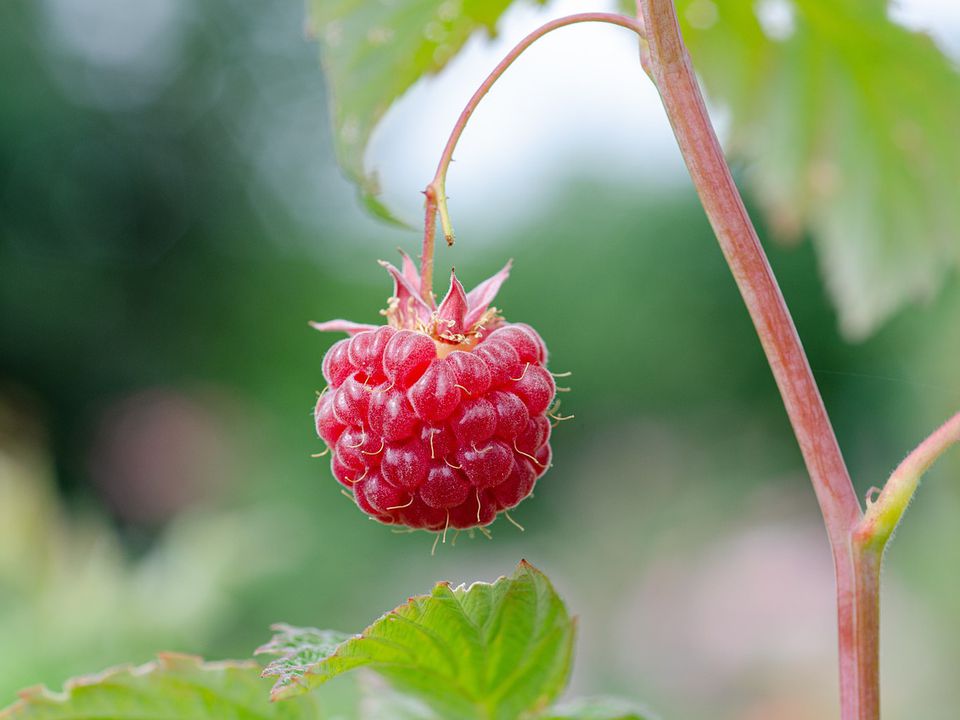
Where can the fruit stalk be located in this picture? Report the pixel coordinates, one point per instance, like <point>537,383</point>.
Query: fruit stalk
<point>429,236</point>
<point>667,62</point>
<point>436,192</point>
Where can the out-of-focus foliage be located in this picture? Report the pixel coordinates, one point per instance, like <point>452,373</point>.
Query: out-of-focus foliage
<point>597,709</point>
<point>175,686</point>
<point>849,122</point>
<point>374,51</point>
<point>71,600</point>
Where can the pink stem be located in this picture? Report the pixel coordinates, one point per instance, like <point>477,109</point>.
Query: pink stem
<point>862,698</point>
<point>426,255</point>
<point>667,62</point>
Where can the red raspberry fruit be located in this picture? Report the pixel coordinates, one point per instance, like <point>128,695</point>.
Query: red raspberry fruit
<point>439,418</point>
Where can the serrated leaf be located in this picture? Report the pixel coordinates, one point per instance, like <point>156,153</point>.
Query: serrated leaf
<point>500,650</point>
<point>299,650</point>
<point>850,123</point>
<point>374,50</point>
<point>602,708</point>
<point>180,687</point>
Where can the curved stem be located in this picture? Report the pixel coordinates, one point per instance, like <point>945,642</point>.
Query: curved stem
<point>436,196</point>
<point>883,515</point>
<point>667,62</point>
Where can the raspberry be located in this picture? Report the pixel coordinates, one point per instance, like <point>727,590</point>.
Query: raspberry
<point>439,418</point>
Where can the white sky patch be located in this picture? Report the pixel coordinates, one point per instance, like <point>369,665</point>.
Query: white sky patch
<point>776,17</point>
<point>939,18</point>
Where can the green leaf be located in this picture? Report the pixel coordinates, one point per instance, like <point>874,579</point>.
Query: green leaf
<point>602,708</point>
<point>850,123</point>
<point>373,51</point>
<point>498,650</point>
<point>177,687</point>
<point>299,650</point>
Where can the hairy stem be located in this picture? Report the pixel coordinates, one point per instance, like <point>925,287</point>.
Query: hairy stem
<point>668,64</point>
<point>436,193</point>
<point>883,515</point>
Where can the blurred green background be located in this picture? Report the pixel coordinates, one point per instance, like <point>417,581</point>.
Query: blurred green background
<point>168,227</point>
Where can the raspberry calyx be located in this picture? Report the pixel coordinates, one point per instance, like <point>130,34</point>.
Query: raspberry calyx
<point>438,419</point>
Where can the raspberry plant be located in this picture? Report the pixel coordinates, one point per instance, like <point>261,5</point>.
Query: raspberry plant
<point>439,419</point>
